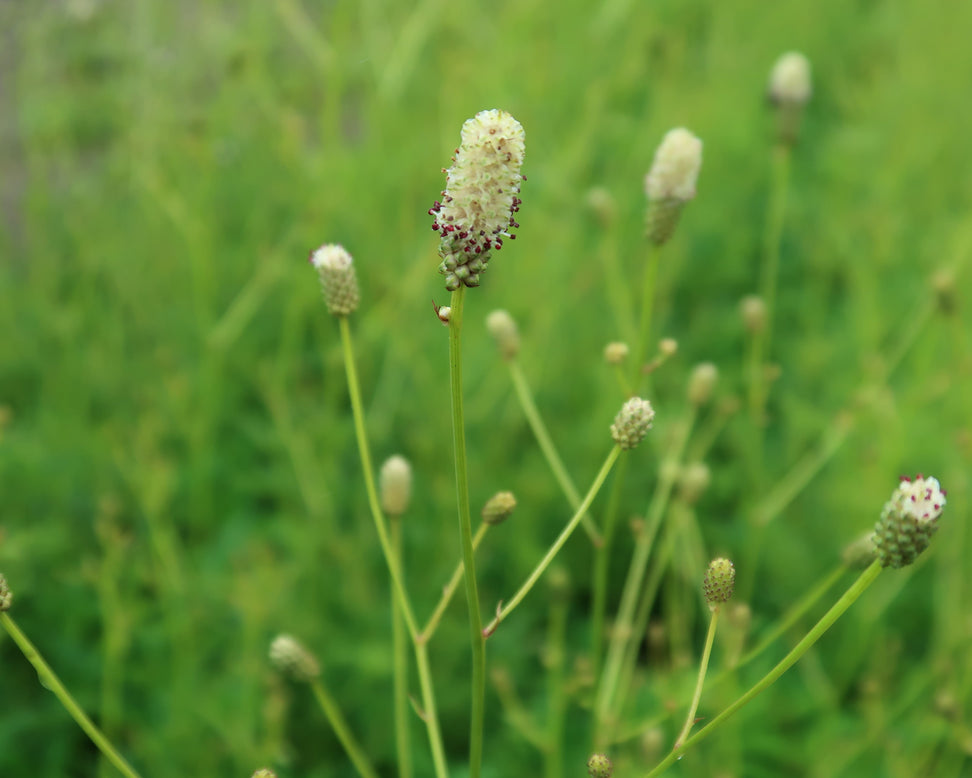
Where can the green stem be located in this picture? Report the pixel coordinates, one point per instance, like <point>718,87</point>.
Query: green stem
<point>357,410</point>
<point>465,532</point>
<point>548,448</point>
<point>342,731</point>
<point>622,632</point>
<point>51,682</point>
<point>425,677</point>
<point>558,543</point>
<point>400,662</point>
<point>647,306</point>
<point>556,688</point>
<point>602,566</point>
<point>849,597</point>
<point>433,623</point>
<point>429,714</point>
<point>703,666</point>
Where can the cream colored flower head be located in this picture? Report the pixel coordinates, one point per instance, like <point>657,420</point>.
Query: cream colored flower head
<point>480,202</point>
<point>790,79</point>
<point>921,498</point>
<point>675,168</point>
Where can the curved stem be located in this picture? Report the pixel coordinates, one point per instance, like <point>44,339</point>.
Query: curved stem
<point>341,730</point>
<point>357,410</point>
<point>394,568</point>
<point>450,589</point>
<point>51,682</point>
<point>548,448</point>
<point>703,666</point>
<point>849,597</point>
<point>400,664</point>
<point>465,532</point>
<point>544,563</point>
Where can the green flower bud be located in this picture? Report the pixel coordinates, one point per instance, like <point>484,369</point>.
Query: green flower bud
<point>6,596</point>
<point>480,201</point>
<point>632,423</point>
<point>503,329</point>
<point>499,508</point>
<point>339,283</point>
<point>719,582</point>
<point>860,553</point>
<point>908,521</point>
<point>395,485</point>
<point>291,658</point>
<point>702,383</point>
<point>615,353</point>
<point>599,766</point>
<point>789,90</point>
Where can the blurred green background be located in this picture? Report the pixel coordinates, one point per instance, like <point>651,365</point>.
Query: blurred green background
<point>178,473</point>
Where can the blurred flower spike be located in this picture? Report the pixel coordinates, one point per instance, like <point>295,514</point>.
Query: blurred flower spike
<point>480,202</point>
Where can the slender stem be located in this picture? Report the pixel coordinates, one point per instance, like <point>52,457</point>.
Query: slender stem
<point>357,410</point>
<point>429,714</point>
<point>400,663</point>
<point>465,532</point>
<point>769,273</point>
<point>636,573</point>
<point>703,666</point>
<point>548,448</point>
<point>425,676</point>
<point>556,688</point>
<point>557,544</point>
<point>51,682</point>
<point>647,306</point>
<point>450,589</point>
<point>342,731</point>
<point>602,566</point>
<point>849,597</point>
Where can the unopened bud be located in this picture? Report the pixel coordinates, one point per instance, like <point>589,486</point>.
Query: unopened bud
<point>499,508</point>
<point>789,90</point>
<point>719,582</point>
<point>339,283</point>
<point>615,353</point>
<point>693,481</point>
<point>601,202</point>
<point>702,383</point>
<point>291,658</point>
<point>671,182</point>
<point>6,596</point>
<point>265,772</point>
<point>395,485</point>
<point>502,327</point>
<point>632,423</point>
<point>860,553</point>
<point>753,311</point>
<point>667,347</point>
<point>599,766</point>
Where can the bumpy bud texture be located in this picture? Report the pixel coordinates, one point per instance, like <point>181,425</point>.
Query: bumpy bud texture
<point>499,508</point>
<point>339,283</point>
<point>908,521</point>
<point>291,658</point>
<point>6,596</point>
<point>480,201</point>
<point>599,766</point>
<point>395,485</point>
<point>632,423</point>
<point>503,329</point>
<point>719,582</point>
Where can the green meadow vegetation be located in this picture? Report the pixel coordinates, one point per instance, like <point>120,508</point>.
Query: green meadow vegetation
<point>181,479</point>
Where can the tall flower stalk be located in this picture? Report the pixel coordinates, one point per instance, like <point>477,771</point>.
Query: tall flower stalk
<point>476,214</point>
